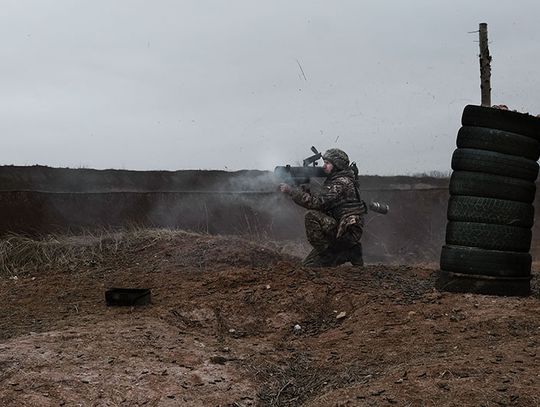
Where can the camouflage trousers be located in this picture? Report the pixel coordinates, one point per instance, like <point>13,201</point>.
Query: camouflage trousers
<point>329,249</point>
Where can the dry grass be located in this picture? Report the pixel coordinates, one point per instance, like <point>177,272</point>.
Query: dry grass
<point>21,254</point>
<point>299,378</point>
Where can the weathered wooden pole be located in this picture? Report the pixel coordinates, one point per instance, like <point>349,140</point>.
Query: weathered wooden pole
<point>485,66</point>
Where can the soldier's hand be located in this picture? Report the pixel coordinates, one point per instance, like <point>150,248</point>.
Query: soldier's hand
<point>285,188</point>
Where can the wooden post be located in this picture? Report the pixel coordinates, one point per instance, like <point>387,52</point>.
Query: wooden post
<point>485,66</point>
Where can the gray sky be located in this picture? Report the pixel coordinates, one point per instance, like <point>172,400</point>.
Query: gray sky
<point>219,85</point>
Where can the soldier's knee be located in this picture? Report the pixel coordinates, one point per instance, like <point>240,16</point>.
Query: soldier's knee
<point>319,218</point>
<point>312,216</point>
<point>313,222</point>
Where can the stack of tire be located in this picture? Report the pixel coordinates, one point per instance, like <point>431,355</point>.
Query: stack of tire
<point>490,211</point>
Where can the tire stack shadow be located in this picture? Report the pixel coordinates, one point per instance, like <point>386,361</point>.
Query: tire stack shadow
<point>490,211</point>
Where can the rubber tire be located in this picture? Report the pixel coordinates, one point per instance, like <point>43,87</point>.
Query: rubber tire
<point>498,141</point>
<point>486,285</point>
<point>491,186</point>
<point>470,260</point>
<point>489,210</point>
<point>469,159</point>
<point>488,236</point>
<point>506,120</point>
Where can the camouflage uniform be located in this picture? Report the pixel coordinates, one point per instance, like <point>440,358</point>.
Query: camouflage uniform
<point>335,220</point>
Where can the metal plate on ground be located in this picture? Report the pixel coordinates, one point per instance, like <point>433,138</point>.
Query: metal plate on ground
<point>127,296</point>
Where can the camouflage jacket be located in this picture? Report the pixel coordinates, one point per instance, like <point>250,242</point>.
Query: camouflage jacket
<point>338,198</point>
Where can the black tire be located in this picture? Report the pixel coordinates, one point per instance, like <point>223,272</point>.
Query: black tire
<point>489,210</point>
<point>470,260</point>
<point>498,141</point>
<point>486,285</point>
<point>491,186</point>
<point>469,159</point>
<point>488,236</point>
<point>506,120</point>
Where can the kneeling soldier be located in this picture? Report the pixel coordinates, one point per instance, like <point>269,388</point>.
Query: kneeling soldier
<point>335,220</point>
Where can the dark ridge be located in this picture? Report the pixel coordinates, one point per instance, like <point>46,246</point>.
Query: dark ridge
<point>47,179</point>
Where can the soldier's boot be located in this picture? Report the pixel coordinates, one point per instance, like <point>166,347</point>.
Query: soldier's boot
<point>319,258</point>
<point>355,256</point>
<point>340,257</point>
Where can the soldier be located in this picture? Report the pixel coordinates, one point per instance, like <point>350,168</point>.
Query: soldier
<point>335,220</point>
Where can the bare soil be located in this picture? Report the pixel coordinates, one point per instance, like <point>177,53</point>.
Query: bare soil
<point>221,332</point>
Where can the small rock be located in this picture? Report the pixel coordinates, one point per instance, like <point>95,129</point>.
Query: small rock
<point>443,385</point>
<point>267,286</point>
<point>218,360</point>
<point>232,330</point>
<point>341,315</point>
<point>297,328</point>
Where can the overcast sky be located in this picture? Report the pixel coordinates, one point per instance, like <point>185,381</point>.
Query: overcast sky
<point>253,84</point>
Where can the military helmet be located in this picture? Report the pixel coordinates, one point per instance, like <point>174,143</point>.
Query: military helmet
<point>338,158</point>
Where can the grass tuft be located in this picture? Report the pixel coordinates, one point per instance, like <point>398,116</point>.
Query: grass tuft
<point>21,254</point>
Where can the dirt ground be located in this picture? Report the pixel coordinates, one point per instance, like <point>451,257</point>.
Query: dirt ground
<point>221,330</point>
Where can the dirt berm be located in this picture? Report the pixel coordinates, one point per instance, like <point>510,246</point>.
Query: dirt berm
<point>237,323</point>
<point>39,200</point>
